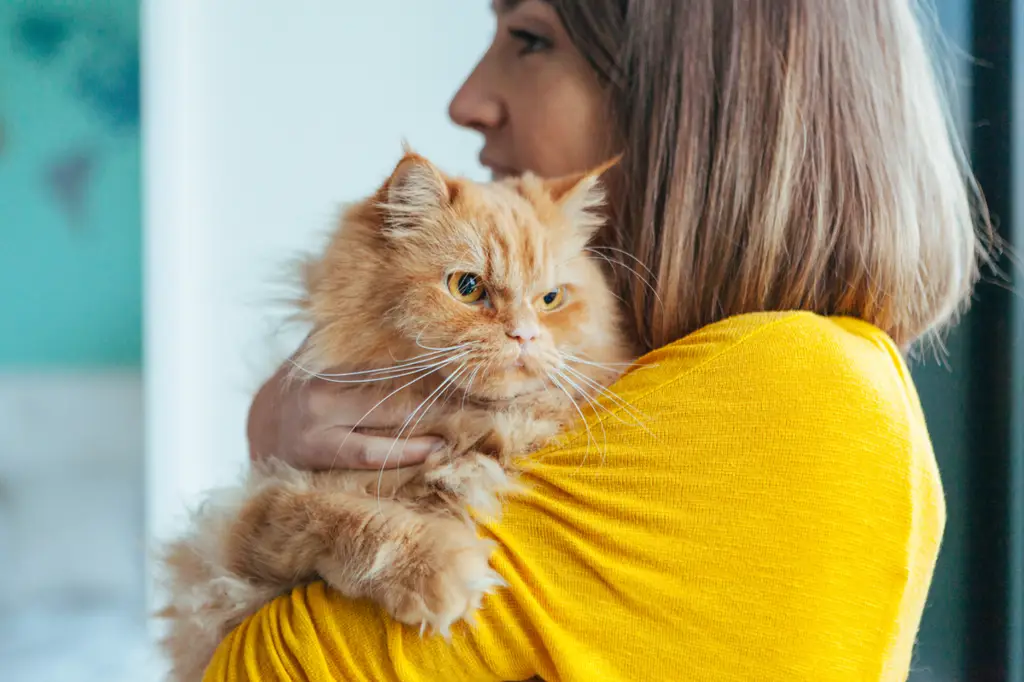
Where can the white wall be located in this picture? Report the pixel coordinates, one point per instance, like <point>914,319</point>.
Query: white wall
<point>70,474</point>
<point>260,117</point>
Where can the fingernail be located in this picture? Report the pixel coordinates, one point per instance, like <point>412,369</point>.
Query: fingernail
<point>425,447</point>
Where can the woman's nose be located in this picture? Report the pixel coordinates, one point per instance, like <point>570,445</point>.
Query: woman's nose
<point>476,106</point>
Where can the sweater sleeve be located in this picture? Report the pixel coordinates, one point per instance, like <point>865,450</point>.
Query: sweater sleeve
<point>760,501</point>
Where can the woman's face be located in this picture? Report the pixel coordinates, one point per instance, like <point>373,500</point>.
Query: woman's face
<point>534,98</point>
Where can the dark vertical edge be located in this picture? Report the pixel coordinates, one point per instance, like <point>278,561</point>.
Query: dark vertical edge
<point>990,388</point>
<point>1016,631</point>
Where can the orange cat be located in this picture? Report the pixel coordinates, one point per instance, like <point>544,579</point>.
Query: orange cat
<point>476,307</point>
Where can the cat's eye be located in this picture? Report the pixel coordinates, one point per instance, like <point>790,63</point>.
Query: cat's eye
<point>553,300</point>
<point>466,287</point>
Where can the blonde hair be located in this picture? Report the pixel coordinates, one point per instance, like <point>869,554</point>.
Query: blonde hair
<point>783,154</point>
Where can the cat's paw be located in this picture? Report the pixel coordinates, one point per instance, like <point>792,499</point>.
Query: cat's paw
<point>442,580</point>
<point>474,479</point>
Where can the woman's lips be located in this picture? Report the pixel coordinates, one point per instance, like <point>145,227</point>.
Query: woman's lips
<point>498,170</point>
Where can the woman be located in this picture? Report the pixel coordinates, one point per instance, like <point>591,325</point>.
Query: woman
<point>791,181</point>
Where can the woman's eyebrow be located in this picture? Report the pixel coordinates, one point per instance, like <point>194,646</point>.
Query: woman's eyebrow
<point>500,6</point>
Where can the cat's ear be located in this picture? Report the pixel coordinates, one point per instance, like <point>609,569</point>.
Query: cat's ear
<point>581,195</point>
<point>415,192</point>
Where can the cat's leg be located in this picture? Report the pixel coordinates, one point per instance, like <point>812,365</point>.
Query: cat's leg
<point>428,570</point>
<point>472,480</point>
<point>206,599</point>
<point>425,569</point>
<point>206,603</point>
<point>483,470</point>
<point>289,518</point>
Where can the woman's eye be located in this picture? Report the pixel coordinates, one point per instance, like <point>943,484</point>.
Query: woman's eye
<point>553,299</point>
<point>466,287</point>
<point>531,42</point>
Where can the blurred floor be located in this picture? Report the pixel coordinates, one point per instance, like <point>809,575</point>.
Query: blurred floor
<point>71,529</point>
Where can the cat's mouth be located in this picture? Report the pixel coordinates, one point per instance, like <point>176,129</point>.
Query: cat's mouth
<point>512,379</point>
<point>525,366</point>
<point>509,371</point>
<point>508,396</point>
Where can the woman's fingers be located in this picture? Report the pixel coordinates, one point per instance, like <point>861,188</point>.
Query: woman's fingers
<point>339,447</point>
<point>328,405</point>
<point>330,442</point>
<point>311,425</point>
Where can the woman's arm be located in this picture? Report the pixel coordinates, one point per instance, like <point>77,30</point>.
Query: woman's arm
<point>776,517</point>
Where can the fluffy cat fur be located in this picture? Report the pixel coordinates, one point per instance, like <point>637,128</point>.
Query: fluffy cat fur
<point>496,377</point>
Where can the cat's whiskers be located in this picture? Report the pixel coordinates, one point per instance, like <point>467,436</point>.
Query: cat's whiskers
<point>638,417</point>
<point>613,262</point>
<point>469,385</point>
<point>355,426</point>
<point>594,405</point>
<point>455,388</point>
<point>605,391</point>
<point>590,435</point>
<point>434,395</point>
<point>422,359</point>
<point>587,391</point>
<point>448,395</point>
<point>627,254</point>
<point>455,347</point>
<point>610,366</point>
<point>547,388</point>
<point>390,377</point>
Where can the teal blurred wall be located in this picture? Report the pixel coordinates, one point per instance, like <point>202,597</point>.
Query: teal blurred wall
<point>940,653</point>
<point>70,233</point>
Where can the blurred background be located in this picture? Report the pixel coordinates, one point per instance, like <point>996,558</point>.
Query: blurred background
<point>139,291</point>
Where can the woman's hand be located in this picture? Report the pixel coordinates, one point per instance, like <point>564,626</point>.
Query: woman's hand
<point>308,424</point>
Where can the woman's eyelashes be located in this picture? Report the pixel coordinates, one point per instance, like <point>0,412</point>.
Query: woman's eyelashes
<point>529,41</point>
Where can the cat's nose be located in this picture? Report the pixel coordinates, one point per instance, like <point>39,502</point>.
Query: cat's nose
<point>524,333</point>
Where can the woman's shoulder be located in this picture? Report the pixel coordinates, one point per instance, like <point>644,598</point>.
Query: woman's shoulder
<point>787,391</point>
<point>833,364</point>
<point>790,445</point>
<point>776,340</point>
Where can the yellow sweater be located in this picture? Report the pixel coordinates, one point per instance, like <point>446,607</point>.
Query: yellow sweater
<point>778,518</point>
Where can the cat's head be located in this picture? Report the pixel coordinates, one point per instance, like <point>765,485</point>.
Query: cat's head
<point>491,285</point>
